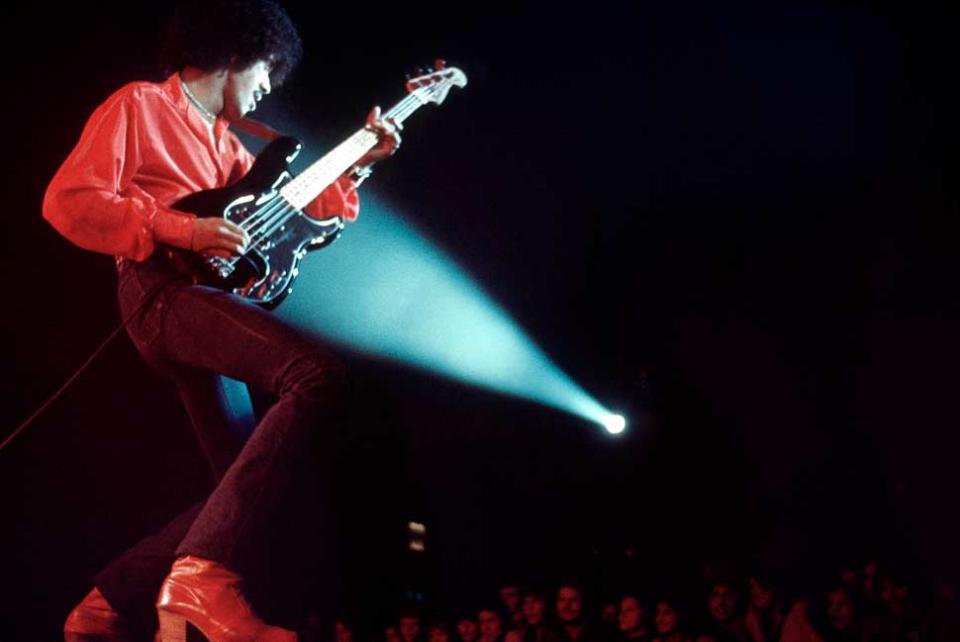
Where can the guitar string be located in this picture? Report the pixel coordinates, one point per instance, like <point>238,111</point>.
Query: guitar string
<point>272,221</point>
<point>263,218</point>
<point>271,215</point>
<point>289,211</point>
<point>318,170</point>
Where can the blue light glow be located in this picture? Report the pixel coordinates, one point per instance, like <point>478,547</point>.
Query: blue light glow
<point>384,289</point>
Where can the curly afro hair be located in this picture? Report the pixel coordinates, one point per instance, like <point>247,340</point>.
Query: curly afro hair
<point>216,34</point>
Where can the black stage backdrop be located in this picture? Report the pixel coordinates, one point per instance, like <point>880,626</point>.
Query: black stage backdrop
<point>739,219</point>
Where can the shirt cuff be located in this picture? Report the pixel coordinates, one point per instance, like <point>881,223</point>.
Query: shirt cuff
<point>173,229</point>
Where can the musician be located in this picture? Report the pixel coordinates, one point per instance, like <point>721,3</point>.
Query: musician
<point>147,146</point>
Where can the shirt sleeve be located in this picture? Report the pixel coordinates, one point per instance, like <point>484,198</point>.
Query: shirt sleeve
<point>340,198</point>
<point>92,200</point>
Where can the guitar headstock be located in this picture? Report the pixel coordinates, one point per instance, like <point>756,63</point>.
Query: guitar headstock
<point>433,84</point>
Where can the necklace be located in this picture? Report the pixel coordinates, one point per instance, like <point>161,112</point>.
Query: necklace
<point>196,103</point>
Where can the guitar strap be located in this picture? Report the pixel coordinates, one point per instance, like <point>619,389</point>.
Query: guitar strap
<point>257,129</point>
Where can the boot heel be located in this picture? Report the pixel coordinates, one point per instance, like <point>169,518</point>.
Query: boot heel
<point>173,627</point>
<point>201,594</point>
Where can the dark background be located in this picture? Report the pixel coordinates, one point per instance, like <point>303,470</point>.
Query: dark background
<point>738,221</point>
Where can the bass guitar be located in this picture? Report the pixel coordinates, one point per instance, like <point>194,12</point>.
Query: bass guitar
<point>268,203</point>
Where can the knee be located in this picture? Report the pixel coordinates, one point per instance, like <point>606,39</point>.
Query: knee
<point>314,375</point>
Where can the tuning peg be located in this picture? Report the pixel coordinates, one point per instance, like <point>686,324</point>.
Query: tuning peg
<point>440,64</point>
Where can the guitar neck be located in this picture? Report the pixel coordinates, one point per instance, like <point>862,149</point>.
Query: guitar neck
<point>308,185</point>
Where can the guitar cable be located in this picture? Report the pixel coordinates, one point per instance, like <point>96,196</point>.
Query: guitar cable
<point>147,299</point>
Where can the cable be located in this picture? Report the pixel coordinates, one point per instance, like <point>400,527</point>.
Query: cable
<point>86,364</point>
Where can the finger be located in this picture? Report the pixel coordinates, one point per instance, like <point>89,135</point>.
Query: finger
<point>224,244</point>
<point>383,129</point>
<point>392,142</point>
<point>374,116</point>
<point>232,248</point>
<point>231,244</point>
<point>236,229</point>
<point>234,234</point>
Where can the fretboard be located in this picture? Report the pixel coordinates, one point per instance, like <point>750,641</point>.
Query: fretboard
<point>308,185</point>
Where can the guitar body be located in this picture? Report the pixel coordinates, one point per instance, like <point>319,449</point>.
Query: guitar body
<point>281,235</point>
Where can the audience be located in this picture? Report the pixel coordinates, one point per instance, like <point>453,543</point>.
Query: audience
<point>868,605</point>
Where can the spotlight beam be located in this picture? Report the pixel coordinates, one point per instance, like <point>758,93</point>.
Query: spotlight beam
<point>384,289</point>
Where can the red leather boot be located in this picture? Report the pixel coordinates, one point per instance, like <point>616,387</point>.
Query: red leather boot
<point>208,596</point>
<point>93,619</point>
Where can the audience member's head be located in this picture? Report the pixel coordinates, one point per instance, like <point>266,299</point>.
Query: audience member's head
<point>666,619</point>
<point>894,594</point>
<point>762,593</point>
<point>510,598</point>
<point>608,613</point>
<point>631,616</point>
<point>438,632</point>
<point>534,606</point>
<point>569,604</point>
<point>342,632</point>
<point>722,601</point>
<point>491,626</point>
<point>841,614</point>
<point>409,627</point>
<point>467,629</point>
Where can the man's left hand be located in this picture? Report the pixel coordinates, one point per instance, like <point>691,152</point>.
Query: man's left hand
<point>389,132</point>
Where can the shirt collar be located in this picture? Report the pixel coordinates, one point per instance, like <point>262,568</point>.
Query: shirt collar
<point>174,91</point>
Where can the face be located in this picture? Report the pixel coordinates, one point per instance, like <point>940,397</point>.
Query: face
<point>533,607</point>
<point>468,630</point>
<point>839,610</point>
<point>761,595</point>
<point>721,602</point>
<point>569,604</point>
<point>409,627</point>
<point>438,634</point>
<point>894,595</point>
<point>510,596</point>
<point>631,615</point>
<point>800,610</point>
<point>342,633</point>
<point>490,627</point>
<point>666,619</point>
<point>608,613</point>
<point>244,89</point>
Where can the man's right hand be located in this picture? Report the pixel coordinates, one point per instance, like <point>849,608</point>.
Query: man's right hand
<point>219,237</point>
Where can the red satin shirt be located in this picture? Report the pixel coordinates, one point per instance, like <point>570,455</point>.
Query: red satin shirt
<point>143,149</point>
